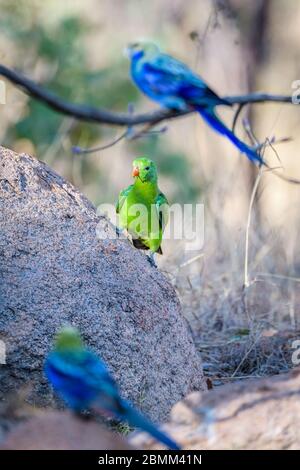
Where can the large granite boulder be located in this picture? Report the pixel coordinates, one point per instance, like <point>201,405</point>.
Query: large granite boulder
<point>54,270</point>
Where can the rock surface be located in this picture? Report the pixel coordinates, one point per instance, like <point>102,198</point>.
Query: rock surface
<point>55,270</point>
<point>250,414</point>
<point>55,430</point>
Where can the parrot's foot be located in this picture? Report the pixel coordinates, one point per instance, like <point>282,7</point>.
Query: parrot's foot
<point>151,260</point>
<point>119,231</point>
<point>123,234</point>
<point>86,415</point>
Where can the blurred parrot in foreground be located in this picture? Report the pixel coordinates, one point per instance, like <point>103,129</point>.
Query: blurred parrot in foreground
<point>83,381</point>
<point>143,209</point>
<point>175,86</point>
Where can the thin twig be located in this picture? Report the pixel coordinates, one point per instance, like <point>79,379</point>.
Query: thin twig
<point>252,198</point>
<point>80,150</point>
<point>191,260</point>
<point>273,141</point>
<point>146,132</point>
<point>125,135</point>
<point>246,355</point>
<point>241,377</point>
<point>236,115</point>
<point>279,276</point>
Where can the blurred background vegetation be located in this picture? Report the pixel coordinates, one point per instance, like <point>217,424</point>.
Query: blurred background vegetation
<point>51,45</point>
<point>75,48</point>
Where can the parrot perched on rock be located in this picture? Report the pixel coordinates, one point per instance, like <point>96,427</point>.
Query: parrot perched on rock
<point>174,85</point>
<point>84,383</point>
<point>143,209</point>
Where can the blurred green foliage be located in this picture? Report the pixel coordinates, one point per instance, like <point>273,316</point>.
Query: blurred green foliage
<point>59,47</point>
<point>62,48</point>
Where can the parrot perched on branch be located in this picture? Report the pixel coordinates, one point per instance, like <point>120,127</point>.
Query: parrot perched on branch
<point>83,381</point>
<point>175,86</point>
<point>143,209</point>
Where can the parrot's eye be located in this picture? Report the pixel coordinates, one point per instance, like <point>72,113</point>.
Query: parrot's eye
<point>147,168</point>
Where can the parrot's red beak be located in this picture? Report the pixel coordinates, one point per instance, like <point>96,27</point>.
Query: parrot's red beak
<point>135,171</point>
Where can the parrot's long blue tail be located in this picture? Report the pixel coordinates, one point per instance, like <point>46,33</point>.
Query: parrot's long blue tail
<point>136,419</point>
<point>212,119</point>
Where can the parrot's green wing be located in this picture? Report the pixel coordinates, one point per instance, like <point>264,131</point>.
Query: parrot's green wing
<point>162,205</point>
<point>122,198</point>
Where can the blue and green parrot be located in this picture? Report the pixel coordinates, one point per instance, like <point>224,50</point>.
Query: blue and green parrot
<point>174,85</point>
<point>143,209</point>
<point>82,380</point>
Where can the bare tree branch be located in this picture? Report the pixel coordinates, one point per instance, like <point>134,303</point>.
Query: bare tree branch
<point>128,134</point>
<point>79,150</point>
<point>104,116</point>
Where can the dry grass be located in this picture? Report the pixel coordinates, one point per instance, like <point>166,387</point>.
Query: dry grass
<point>241,332</point>
<point>241,295</point>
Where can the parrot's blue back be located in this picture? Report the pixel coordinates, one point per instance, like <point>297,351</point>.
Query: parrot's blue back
<point>174,85</point>
<point>76,376</point>
<point>171,83</point>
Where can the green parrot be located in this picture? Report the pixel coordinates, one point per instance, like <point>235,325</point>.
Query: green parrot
<point>143,209</point>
